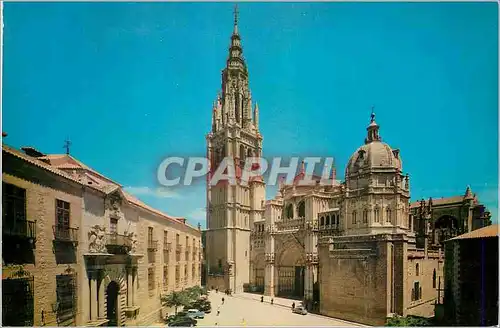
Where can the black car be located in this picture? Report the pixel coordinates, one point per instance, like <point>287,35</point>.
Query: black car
<point>182,321</point>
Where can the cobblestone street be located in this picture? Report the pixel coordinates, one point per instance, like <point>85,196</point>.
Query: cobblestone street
<point>247,310</point>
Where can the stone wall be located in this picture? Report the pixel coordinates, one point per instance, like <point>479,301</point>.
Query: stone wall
<point>353,281</point>
<point>424,306</point>
<point>50,261</point>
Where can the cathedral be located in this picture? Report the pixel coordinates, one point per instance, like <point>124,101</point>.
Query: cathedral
<point>357,249</point>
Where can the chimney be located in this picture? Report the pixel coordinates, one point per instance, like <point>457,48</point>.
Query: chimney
<point>33,152</point>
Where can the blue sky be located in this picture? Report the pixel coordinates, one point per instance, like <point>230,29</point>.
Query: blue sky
<point>133,83</point>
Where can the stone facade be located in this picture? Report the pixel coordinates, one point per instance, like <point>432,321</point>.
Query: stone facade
<point>117,255</point>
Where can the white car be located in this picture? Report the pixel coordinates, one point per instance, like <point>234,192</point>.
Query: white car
<point>300,310</point>
<point>195,314</point>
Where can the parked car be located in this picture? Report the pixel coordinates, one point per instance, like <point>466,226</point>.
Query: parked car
<point>195,314</point>
<point>300,310</point>
<point>202,305</point>
<point>182,321</point>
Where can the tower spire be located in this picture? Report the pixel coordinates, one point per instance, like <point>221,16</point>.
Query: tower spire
<point>235,31</point>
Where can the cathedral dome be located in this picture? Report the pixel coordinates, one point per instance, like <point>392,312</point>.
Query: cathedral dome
<point>374,153</point>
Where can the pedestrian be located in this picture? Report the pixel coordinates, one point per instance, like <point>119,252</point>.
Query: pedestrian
<point>272,301</point>
<point>262,299</point>
<point>218,312</point>
<point>223,300</point>
<point>217,290</point>
<point>293,306</point>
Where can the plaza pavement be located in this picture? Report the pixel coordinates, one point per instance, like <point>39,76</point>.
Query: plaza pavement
<point>245,309</point>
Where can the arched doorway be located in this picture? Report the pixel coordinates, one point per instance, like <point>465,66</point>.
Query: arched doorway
<point>112,303</point>
<point>291,272</point>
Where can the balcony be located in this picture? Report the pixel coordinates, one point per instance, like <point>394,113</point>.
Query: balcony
<point>167,247</point>
<point>20,228</point>
<point>290,224</point>
<point>65,234</point>
<point>152,245</point>
<point>118,244</point>
<point>178,248</point>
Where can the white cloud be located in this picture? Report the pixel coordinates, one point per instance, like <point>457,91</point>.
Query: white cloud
<point>147,191</point>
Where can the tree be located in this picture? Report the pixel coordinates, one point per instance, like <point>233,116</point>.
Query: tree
<point>176,299</point>
<point>409,321</point>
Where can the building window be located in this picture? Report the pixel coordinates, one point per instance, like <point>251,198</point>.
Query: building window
<point>62,214</point>
<point>185,273</point>
<point>289,211</point>
<point>328,220</point>
<point>416,293</point>
<point>17,302</point>
<point>365,216</point>
<point>322,221</point>
<point>377,214</point>
<point>417,269</point>
<point>66,299</point>
<point>113,223</point>
<point>302,209</point>
<point>353,217</point>
<point>151,278</point>
<point>434,279</point>
<point>150,233</point>
<point>165,277</point>
<point>14,206</point>
<point>388,216</point>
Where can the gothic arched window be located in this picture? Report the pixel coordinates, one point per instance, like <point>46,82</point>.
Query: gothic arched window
<point>302,209</point>
<point>328,220</point>
<point>353,217</point>
<point>242,153</point>
<point>388,216</point>
<point>365,216</point>
<point>377,214</point>
<point>338,219</point>
<point>289,211</point>
<point>322,221</point>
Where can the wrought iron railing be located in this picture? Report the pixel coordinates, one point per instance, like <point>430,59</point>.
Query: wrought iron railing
<point>65,233</point>
<point>152,245</point>
<point>20,228</point>
<point>178,248</point>
<point>115,239</point>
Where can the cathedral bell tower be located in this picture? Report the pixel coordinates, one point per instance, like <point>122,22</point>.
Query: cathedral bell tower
<point>232,209</point>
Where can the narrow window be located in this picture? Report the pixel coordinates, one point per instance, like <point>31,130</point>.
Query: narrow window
<point>113,223</point>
